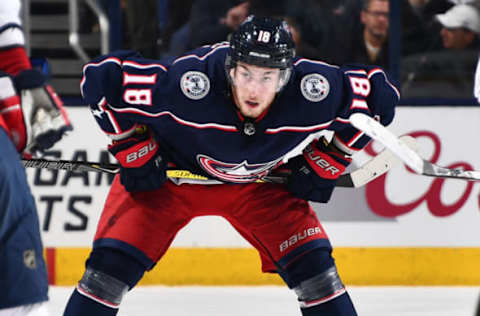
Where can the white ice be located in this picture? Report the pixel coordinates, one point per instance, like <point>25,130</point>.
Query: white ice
<point>279,301</point>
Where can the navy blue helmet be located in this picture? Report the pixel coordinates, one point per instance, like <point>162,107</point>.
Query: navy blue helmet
<point>264,42</point>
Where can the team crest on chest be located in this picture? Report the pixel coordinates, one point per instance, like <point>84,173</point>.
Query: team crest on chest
<point>195,85</point>
<point>236,172</point>
<point>315,87</point>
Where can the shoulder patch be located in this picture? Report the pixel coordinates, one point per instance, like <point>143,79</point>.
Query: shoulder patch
<point>315,87</point>
<point>195,85</point>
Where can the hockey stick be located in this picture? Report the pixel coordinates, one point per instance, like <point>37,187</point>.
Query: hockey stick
<point>82,166</point>
<point>421,166</point>
<point>380,164</point>
<point>371,170</point>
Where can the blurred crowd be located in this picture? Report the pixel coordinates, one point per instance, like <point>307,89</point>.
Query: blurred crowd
<point>438,42</point>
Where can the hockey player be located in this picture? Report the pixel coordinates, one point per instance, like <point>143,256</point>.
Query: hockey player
<point>232,112</point>
<point>31,119</point>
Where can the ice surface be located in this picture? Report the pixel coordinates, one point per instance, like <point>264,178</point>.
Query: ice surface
<point>279,301</point>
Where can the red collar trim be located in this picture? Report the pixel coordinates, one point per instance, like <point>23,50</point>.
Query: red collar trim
<point>258,119</point>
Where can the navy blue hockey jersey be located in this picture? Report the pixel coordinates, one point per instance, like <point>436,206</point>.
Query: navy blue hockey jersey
<point>187,103</point>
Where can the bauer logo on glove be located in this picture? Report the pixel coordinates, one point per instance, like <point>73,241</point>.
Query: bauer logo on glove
<point>314,173</point>
<point>322,162</point>
<point>138,154</point>
<point>142,166</point>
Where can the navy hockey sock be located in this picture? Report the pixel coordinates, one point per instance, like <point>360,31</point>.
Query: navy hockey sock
<point>340,306</point>
<point>79,305</point>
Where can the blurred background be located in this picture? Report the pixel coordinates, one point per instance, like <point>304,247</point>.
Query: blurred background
<point>433,63</point>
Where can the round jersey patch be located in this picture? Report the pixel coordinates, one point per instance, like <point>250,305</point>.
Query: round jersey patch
<point>195,85</point>
<point>315,87</point>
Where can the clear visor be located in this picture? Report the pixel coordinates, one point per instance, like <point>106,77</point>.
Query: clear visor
<point>242,76</point>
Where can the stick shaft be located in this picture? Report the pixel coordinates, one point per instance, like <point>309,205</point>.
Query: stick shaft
<point>411,158</point>
<point>82,166</point>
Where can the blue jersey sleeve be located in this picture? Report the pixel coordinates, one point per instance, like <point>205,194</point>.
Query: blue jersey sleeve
<point>119,87</point>
<point>367,90</point>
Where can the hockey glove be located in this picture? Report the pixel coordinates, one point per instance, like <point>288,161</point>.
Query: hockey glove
<point>35,117</point>
<point>314,174</point>
<point>142,166</point>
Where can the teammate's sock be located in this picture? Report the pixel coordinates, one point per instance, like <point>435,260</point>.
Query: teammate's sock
<point>340,306</point>
<point>79,305</point>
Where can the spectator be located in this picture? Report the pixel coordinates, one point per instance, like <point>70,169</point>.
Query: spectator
<point>303,47</point>
<point>211,21</point>
<point>370,46</point>
<point>276,8</point>
<point>142,32</point>
<point>423,73</point>
<point>313,40</point>
<point>216,19</point>
<point>427,9</point>
<point>174,35</point>
<point>419,27</point>
<point>235,16</point>
<point>460,27</point>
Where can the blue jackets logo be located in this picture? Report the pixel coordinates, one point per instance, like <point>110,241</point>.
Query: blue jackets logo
<point>236,172</point>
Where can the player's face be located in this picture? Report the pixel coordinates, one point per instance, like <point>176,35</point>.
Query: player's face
<point>254,88</point>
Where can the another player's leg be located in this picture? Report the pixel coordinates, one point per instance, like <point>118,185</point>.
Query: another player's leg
<point>23,274</point>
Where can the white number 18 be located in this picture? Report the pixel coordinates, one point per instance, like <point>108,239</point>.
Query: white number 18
<point>263,36</point>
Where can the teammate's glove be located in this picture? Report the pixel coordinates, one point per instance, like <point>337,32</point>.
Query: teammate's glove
<point>142,166</point>
<point>35,117</point>
<point>314,174</point>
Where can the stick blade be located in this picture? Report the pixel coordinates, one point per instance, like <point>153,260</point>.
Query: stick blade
<point>378,132</point>
<point>380,164</point>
